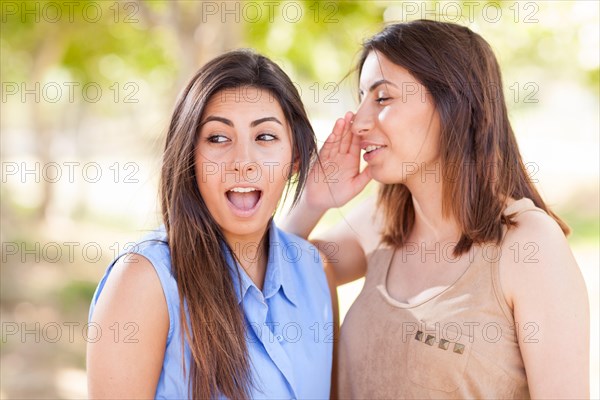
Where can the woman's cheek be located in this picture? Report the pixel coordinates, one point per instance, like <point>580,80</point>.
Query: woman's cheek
<point>386,115</point>
<point>276,172</point>
<point>279,160</point>
<point>211,155</point>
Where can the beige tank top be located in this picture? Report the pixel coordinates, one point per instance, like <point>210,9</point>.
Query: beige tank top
<point>460,343</point>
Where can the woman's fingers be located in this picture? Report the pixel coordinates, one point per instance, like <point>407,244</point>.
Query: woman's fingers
<point>333,141</point>
<point>325,151</point>
<point>346,136</point>
<point>342,148</point>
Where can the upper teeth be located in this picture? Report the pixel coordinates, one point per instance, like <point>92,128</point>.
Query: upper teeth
<point>371,148</point>
<point>242,189</point>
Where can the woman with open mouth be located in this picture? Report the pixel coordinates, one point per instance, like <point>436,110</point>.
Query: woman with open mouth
<point>223,303</point>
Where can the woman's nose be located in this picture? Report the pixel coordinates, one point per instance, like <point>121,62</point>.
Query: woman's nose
<point>244,161</point>
<point>245,167</point>
<point>362,121</point>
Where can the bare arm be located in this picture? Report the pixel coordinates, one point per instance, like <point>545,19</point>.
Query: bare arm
<point>545,287</point>
<point>336,323</point>
<point>349,242</point>
<point>124,366</point>
<point>331,184</point>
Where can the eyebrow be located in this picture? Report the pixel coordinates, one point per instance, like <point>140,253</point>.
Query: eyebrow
<point>378,83</point>
<point>218,119</point>
<point>228,122</point>
<point>266,119</point>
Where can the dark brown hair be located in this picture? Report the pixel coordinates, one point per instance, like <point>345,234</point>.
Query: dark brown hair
<point>480,161</point>
<point>216,332</point>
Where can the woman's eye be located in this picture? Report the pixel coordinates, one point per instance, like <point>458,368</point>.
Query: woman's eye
<point>381,99</point>
<point>217,139</point>
<point>266,137</point>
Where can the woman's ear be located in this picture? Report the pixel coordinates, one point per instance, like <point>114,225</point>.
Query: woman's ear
<point>295,165</point>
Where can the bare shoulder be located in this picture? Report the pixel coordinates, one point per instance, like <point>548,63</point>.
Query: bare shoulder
<point>535,256</point>
<point>545,290</point>
<point>133,317</point>
<point>537,230</point>
<point>133,295</point>
<point>132,283</point>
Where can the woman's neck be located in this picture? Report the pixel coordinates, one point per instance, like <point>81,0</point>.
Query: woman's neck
<point>431,225</point>
<point>252,254</point>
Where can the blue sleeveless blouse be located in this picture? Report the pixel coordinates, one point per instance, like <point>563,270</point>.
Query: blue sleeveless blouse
<point>289,324</point>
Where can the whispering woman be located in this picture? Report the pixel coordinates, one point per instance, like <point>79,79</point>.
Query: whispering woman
<point>471,289</point>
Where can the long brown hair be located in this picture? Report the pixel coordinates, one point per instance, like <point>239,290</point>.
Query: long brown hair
<point>216,332</point>
<point>481,166</point>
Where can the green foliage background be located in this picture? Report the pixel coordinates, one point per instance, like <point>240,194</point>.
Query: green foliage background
<point>155,47</point>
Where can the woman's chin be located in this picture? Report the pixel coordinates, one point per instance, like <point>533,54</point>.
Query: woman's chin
<point>250,229</point>
<point>386,178</point>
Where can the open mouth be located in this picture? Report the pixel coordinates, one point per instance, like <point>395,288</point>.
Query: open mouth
<point>371,151</point>
<point>244,200</point>
<point>371,148</point>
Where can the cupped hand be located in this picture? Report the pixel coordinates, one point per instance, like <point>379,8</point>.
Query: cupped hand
<point>335,178</point>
